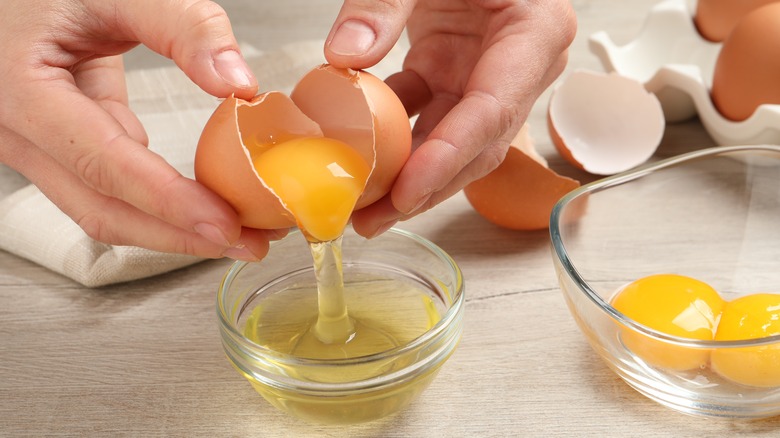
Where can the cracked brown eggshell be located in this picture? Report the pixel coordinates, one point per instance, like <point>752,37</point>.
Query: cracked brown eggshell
<point>354,107</point>
<point>521,192</point>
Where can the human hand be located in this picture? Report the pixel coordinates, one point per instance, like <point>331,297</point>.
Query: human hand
<point>66,126</point>
<point>473,71</point>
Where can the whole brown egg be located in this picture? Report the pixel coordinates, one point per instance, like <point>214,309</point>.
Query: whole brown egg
<point>747,71</point>
<point>715,19</point>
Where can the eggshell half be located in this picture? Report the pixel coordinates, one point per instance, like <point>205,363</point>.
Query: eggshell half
<point>359,109</point>
<point>604,123</point>
<point>223,160</point>
<point>521,192</point>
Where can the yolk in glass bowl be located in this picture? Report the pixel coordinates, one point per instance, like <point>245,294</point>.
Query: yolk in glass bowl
<point>749,317</point>
<point>674,305</point>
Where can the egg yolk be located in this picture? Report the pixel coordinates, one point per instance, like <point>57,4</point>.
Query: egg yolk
<point>318,179</point>
<point>674,305</point>
<point>749,317</point>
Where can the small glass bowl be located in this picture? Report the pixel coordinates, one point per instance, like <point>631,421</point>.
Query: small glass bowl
<point>713,215</point>
<point>353,390</point>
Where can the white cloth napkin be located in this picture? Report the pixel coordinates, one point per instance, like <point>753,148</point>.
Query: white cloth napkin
<point>173,110</point>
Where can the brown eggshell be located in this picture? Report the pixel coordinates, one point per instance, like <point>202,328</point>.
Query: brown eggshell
<point>359,109</point>
<point>747,71</point>
<point>225,166</point>
<point>352,106</point>
<point>521,192</point>
<point>715,19</point>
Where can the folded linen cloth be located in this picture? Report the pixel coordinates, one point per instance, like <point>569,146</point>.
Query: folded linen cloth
<point>173,110</point>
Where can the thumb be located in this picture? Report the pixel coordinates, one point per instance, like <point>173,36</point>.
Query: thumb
<point>196,34</point>
<point>365,31</point>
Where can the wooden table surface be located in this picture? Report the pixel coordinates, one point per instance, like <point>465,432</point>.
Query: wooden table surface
<point>144,358</point>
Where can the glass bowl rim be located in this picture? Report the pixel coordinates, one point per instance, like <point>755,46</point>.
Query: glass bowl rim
<point>560,252</point>
<point>450,317</point>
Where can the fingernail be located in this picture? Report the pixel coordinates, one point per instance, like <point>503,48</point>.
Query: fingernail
<point>212,233</point>
<point>420,203</point>
<point>386,226</point>
<point>240,252</point>
<point>233,69</point>
<point>352,38</point>
<point>278,234</point>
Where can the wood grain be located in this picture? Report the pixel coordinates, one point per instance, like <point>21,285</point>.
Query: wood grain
<point>144,358</point>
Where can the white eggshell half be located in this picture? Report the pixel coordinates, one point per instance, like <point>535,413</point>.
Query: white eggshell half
<point>608,123</point>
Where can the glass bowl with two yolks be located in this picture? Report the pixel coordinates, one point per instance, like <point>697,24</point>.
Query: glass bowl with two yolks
<point>672,272</point>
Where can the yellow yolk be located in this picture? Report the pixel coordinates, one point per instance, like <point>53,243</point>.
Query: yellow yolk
<point>749,317</point>
<point>318,179</point>
<point>674,305</point>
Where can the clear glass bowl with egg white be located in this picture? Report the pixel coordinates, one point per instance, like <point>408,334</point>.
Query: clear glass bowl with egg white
<point>404,301</point>
<point>672,272</point>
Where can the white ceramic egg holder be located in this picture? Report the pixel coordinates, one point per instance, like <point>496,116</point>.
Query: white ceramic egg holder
<point>675,63</point>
